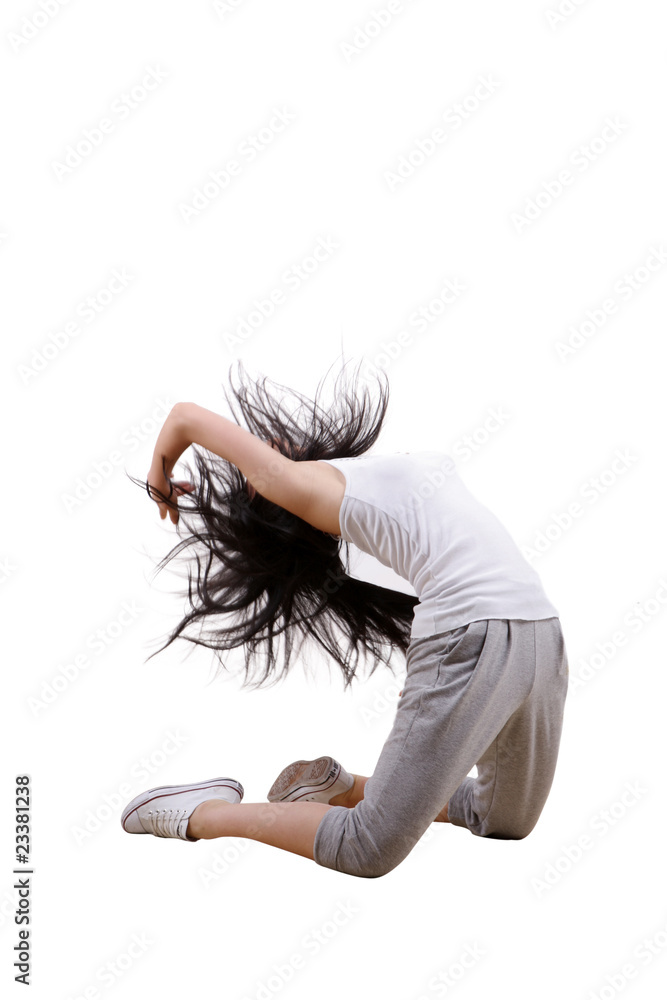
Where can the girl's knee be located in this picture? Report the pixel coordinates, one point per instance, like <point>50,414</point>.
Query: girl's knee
<point>373,861</point>
<point>367,868</point>
<point>362,841</point>
<point>517,830</point>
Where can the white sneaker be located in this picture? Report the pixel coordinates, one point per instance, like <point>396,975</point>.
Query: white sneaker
<point>317,780</point>
<point>165,811</point>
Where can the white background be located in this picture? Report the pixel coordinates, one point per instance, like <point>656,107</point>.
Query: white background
<point>544,916</point>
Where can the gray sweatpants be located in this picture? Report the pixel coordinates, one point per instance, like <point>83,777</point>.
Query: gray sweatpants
<point>491,693</point>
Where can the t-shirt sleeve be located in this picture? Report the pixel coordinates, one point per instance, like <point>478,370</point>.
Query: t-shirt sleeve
<point>375,513</point>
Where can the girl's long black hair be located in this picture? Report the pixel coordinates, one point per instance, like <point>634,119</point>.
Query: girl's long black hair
<point>260,573</point>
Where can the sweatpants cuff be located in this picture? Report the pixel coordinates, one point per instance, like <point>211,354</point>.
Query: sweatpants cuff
<point>454,813</point>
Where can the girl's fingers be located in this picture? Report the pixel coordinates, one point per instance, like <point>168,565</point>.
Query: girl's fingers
<point>177,487</point>
<point>180,486</point>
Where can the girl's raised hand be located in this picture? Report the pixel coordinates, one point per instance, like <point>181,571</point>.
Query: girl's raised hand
<point>165,491</point>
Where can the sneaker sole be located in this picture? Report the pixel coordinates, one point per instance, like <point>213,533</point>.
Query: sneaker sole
<point>304,777</point>
<point>156,793</point>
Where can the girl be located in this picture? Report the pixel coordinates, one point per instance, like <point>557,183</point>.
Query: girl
<point>487,669</point>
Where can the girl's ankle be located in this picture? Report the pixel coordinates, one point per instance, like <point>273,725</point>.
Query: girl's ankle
<point>348,798</point>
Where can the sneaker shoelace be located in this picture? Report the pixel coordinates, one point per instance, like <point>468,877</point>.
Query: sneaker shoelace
<point>165,822</point>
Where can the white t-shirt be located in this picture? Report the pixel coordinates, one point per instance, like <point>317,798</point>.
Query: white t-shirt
<point>412,511</point>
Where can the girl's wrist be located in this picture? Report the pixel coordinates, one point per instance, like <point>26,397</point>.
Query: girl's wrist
<point>173,439</point>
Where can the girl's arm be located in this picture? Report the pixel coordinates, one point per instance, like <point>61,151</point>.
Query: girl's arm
<point>311,490</point>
